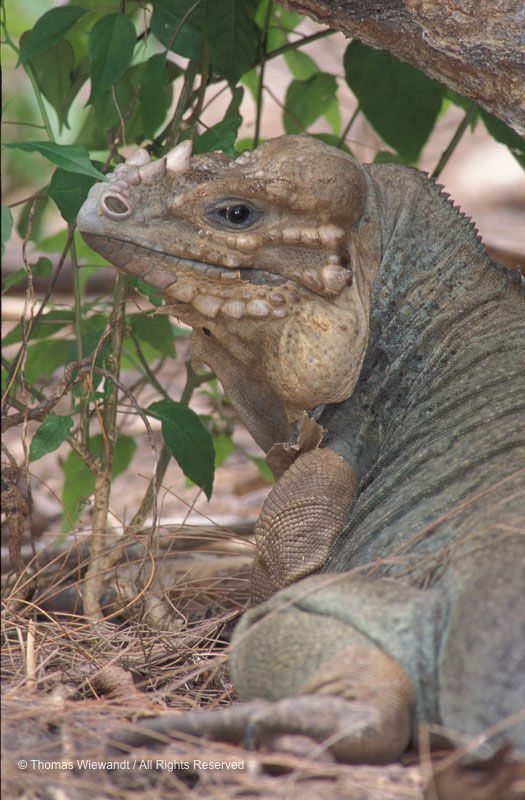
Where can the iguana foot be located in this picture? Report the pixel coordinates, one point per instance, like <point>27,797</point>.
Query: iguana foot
<point>226,724</point>
<point>358,705</point>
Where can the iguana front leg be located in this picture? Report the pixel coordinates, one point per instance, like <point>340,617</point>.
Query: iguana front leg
<point>300,519</point>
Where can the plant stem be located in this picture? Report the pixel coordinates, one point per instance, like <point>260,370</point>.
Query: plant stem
<point>193,380</point>
<point>145,366</point>
<point>77,323</point>
<point>201,93</point>
<point>460,130</point>
<point>260,85</point>
<point>351,122</point>
<point>38,95</point>
<point>99,560</point>
<point>171,133</point>
<point>147,501</point>
<point>295,45</point>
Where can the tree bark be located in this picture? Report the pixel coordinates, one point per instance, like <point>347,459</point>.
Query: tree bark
<point>472,46</point>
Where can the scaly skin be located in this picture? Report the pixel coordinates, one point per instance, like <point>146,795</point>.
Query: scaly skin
<point>358,294</point>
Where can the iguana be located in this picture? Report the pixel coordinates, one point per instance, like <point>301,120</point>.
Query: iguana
<point>377,354</point>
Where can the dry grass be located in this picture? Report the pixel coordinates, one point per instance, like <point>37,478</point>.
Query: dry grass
<point>67,682</point>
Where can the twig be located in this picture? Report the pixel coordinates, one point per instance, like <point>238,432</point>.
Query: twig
<point>65,384</point>
<point>460,130</point>
<point>30,654</point>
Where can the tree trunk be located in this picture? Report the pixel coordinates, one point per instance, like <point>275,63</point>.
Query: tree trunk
<point>472,46</point>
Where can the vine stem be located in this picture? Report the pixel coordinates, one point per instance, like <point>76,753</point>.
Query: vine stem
<point>460,130</point>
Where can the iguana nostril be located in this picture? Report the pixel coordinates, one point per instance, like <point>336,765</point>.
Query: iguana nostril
<point>115,206</point>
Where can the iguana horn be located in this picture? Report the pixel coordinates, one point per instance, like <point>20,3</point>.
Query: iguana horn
<point>139,158</point>
<point>178,159</point>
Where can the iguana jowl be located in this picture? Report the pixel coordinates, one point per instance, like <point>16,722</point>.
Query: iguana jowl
<point>361,295</point>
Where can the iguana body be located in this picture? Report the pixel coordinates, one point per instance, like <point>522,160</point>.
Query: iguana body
<point>361,295</point>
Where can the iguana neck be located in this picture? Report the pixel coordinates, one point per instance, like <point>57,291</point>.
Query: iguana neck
<point>430,280</point>
<point>430,254</point>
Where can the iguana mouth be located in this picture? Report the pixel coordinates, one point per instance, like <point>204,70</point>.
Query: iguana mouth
<point>236,293</point>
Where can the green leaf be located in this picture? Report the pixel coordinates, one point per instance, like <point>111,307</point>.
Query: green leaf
<point>44,357</point>
<point>43,268</point>
<point>107,115</point>
<point>263,468</point>
<point>235,103</point>
<point>281,24</point>
<point>288,20</point>
<point>307,100</point>
<point>53,72</point>
<point>69,192</point>
<point>7,226</point>
<point>79,481</point>
<point>300,65</point>
<point>233,37</point>
<point>56,243</point>
<point>111,44</point>
<point>221,136</point>
<point>333,141</point>
<point>502,133</point>
<point>154,330</point>
<point>186,39</point>
<point>147,291</point>
<point>189,441</point>
<point>67,156</point>
<point>458,99</point>
<point>251,81</point>
<point>260,14</point>
<point>38,218</point>
<point>333,116</point>
<point>398,100</point>
<point>16,277</point>
<point>386,157</point>
<point>245,143</point>
<point>48,30</point>
<point>47,325</point>
<point>152,94</point>
<point>49,436</point>
<point>223,446</point>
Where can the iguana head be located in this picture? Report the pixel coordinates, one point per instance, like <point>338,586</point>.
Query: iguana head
<point>266,257</point>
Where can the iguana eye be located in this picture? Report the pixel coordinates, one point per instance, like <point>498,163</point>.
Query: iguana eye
<point>235,214</point>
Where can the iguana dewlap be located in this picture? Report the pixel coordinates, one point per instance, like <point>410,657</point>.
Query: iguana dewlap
<point>361,295</point>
